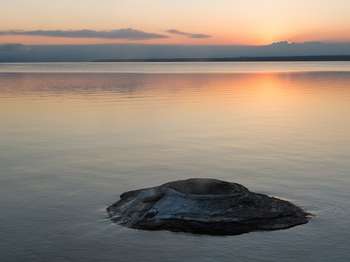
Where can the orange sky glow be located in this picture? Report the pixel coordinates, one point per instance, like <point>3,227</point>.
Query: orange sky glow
<point>227,22</point>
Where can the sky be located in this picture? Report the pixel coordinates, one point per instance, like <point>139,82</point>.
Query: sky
<point>185,22</point>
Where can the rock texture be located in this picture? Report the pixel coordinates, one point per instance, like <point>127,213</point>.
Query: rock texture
<point>204,206</point>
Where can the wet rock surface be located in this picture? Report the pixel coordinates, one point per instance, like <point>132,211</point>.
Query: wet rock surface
<point>204,206</point>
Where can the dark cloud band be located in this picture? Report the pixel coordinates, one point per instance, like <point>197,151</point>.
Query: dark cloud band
<point>127,34</point>
<point>190,35</point>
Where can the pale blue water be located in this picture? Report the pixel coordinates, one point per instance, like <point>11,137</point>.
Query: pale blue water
<point>72,140</point>
<point>175,67</point>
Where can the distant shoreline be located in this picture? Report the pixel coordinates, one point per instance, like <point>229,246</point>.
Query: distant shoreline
<point>318,58</point>
<point>321,58</point>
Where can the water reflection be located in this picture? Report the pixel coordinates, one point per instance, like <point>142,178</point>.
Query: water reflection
<point>71,143</point>
<point>58,83</point>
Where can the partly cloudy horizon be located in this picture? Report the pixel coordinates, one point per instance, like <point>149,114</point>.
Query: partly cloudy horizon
<point>252,22</point>
<point>172,26</point>
<point>93,36</point>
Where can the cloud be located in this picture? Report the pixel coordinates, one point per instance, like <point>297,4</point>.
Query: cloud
<point>125,33</point>
<point>190,35</point>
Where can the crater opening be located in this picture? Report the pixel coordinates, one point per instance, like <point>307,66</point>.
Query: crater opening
<point>206,187</point>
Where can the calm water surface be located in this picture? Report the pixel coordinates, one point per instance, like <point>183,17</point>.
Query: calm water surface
<point>72,140</point>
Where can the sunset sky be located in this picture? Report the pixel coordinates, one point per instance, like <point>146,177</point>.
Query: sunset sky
<point>226,22</point>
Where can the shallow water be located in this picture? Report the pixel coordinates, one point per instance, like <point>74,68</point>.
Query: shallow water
<point>71,142</point>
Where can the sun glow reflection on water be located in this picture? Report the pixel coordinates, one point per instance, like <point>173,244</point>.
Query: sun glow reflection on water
<point>72,143</point>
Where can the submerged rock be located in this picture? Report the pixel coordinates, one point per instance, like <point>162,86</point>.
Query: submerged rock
<point>204,206</point>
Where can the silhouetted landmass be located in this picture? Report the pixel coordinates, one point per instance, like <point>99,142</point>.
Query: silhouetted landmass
<point>281,51</point>
<point>237,59</point>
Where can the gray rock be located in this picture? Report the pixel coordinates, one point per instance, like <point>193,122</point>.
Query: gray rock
<point>204,206</point>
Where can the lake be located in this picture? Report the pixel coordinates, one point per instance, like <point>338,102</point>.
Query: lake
<point>74,136</point>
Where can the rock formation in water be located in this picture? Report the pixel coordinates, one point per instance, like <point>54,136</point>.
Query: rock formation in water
<point>204,206</point>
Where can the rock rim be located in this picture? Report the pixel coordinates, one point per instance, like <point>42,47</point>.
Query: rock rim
<point>204,206</point>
